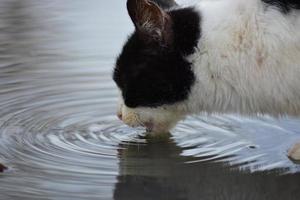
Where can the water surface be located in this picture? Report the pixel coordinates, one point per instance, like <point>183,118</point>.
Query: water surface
<point>60,138</point>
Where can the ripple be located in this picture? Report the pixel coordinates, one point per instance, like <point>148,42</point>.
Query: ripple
<point>255,144</point>
<point>59,135</point>
<point>67,151</point>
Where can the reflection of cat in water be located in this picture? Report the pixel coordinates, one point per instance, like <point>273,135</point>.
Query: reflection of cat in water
<point>225,56</point>
<point>156,171</point>
<point>2,168</point>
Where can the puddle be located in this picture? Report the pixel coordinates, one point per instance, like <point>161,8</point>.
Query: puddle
<point>60,137</point>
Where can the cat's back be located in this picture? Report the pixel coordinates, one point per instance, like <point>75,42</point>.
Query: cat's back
<point>252,51</point>
<point>242,27</point>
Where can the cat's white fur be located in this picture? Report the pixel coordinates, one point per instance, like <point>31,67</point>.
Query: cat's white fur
<point>247,62</point>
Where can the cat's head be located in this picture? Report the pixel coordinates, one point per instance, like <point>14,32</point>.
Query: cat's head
<point>152,72</point>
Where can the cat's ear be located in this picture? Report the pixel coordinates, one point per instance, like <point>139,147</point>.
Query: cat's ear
<point>151,22</point>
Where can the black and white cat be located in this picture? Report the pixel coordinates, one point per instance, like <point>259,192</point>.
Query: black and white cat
<point>219,56</point>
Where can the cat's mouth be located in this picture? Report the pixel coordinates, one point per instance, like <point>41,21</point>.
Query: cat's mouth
<point>150,126</point>
<point>134,122</point>
<point>153,120</point>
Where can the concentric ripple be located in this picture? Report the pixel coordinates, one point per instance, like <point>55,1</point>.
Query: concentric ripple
<point>255,144</point>
<point>59,135</point>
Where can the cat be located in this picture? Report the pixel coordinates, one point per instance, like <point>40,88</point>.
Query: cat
<point>218,56</point>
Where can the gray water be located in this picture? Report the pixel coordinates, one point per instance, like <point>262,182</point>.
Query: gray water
<point>60,138</point>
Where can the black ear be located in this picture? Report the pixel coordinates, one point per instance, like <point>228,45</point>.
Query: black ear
<point>151,22</point>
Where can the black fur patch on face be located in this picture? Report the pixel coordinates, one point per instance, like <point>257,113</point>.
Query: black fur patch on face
<point>151,74</point>
<point>284,5</point>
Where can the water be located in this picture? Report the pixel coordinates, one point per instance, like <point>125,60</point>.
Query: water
<point>60,138</point>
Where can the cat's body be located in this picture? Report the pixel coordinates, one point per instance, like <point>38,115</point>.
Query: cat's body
<point>247,60</point>
<point>220,56</point>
